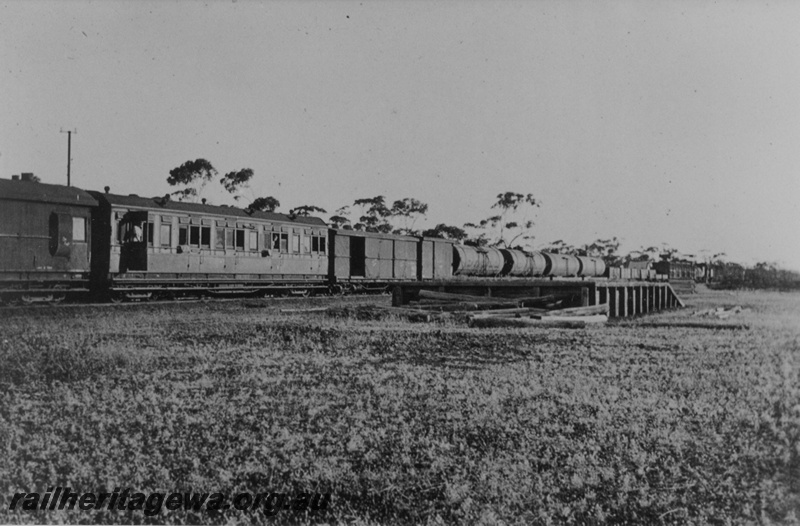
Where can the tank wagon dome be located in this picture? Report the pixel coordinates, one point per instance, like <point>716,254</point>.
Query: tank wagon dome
<point>15,190</point>
<point>159,203</point>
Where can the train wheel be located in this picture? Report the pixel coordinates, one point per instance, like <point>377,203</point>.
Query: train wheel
<point>27,300</point>
<point>56,297</point>
<point>55,300</point>
<point>167,296</point>
<point>116,297</point>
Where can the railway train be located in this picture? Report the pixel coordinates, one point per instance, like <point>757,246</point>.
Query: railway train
<point>59,241</point>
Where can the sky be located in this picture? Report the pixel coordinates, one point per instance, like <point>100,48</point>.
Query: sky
<point>658,122</point>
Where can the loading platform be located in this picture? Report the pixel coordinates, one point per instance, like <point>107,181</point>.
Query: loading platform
<point>623,297</point>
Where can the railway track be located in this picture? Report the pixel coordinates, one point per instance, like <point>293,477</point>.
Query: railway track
<point>123,304</point>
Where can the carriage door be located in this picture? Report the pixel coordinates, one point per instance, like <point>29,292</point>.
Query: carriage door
<point>133,234</point>
<point>357,257</point>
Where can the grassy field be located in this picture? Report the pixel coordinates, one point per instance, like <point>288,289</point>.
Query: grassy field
<point>402,422</point>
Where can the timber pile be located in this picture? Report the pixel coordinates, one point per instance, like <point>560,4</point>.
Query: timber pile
<point>367,312</point>
<point>720,313</point>
<point>533,311</point>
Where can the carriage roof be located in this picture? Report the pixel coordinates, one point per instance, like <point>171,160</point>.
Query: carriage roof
<point>160,204</point>
<point>12,190</point>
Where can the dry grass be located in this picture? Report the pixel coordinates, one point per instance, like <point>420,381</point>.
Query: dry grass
<point>405,422</point>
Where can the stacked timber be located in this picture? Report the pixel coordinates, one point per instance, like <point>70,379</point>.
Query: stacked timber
<point>536,311</point>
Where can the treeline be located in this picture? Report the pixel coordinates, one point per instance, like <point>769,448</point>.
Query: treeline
<point>508,224</point>
<point>762,275</point>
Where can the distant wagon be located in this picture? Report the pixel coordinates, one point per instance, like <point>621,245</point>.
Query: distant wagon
<point>676,270</point>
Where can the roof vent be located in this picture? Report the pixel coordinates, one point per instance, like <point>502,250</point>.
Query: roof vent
<point>133,195</point>
<point>107,189</point>
<point>15,178</point>
<point>27,177</point>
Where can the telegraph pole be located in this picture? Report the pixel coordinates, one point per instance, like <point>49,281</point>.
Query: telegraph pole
<point>69,150</point>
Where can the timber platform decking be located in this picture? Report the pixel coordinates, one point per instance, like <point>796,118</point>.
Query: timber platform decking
<point>624,298</point>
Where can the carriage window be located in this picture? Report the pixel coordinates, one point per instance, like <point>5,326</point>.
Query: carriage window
<point>306,244</point>
<point>79,229</point>
<point>228,238</point>
<point>239,239</point>
<point>166,235</point>
<point>253,240</point>
<point>194,236</point>
<point>280,242</point>
<point>150,233</point>
<point>318,244</point>
<point>183,235</point>
<point>205,237</point>
<point>220,242</point>
<point>295,244</point>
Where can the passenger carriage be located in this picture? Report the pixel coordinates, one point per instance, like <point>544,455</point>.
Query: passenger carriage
<point>155,246</point>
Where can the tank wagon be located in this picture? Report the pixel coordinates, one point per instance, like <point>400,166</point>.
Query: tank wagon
<point>57,240</point>
<point>492,262</point>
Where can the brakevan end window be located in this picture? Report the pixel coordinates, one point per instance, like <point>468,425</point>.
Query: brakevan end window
<point>61,234</point>
<point>79,229</point>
